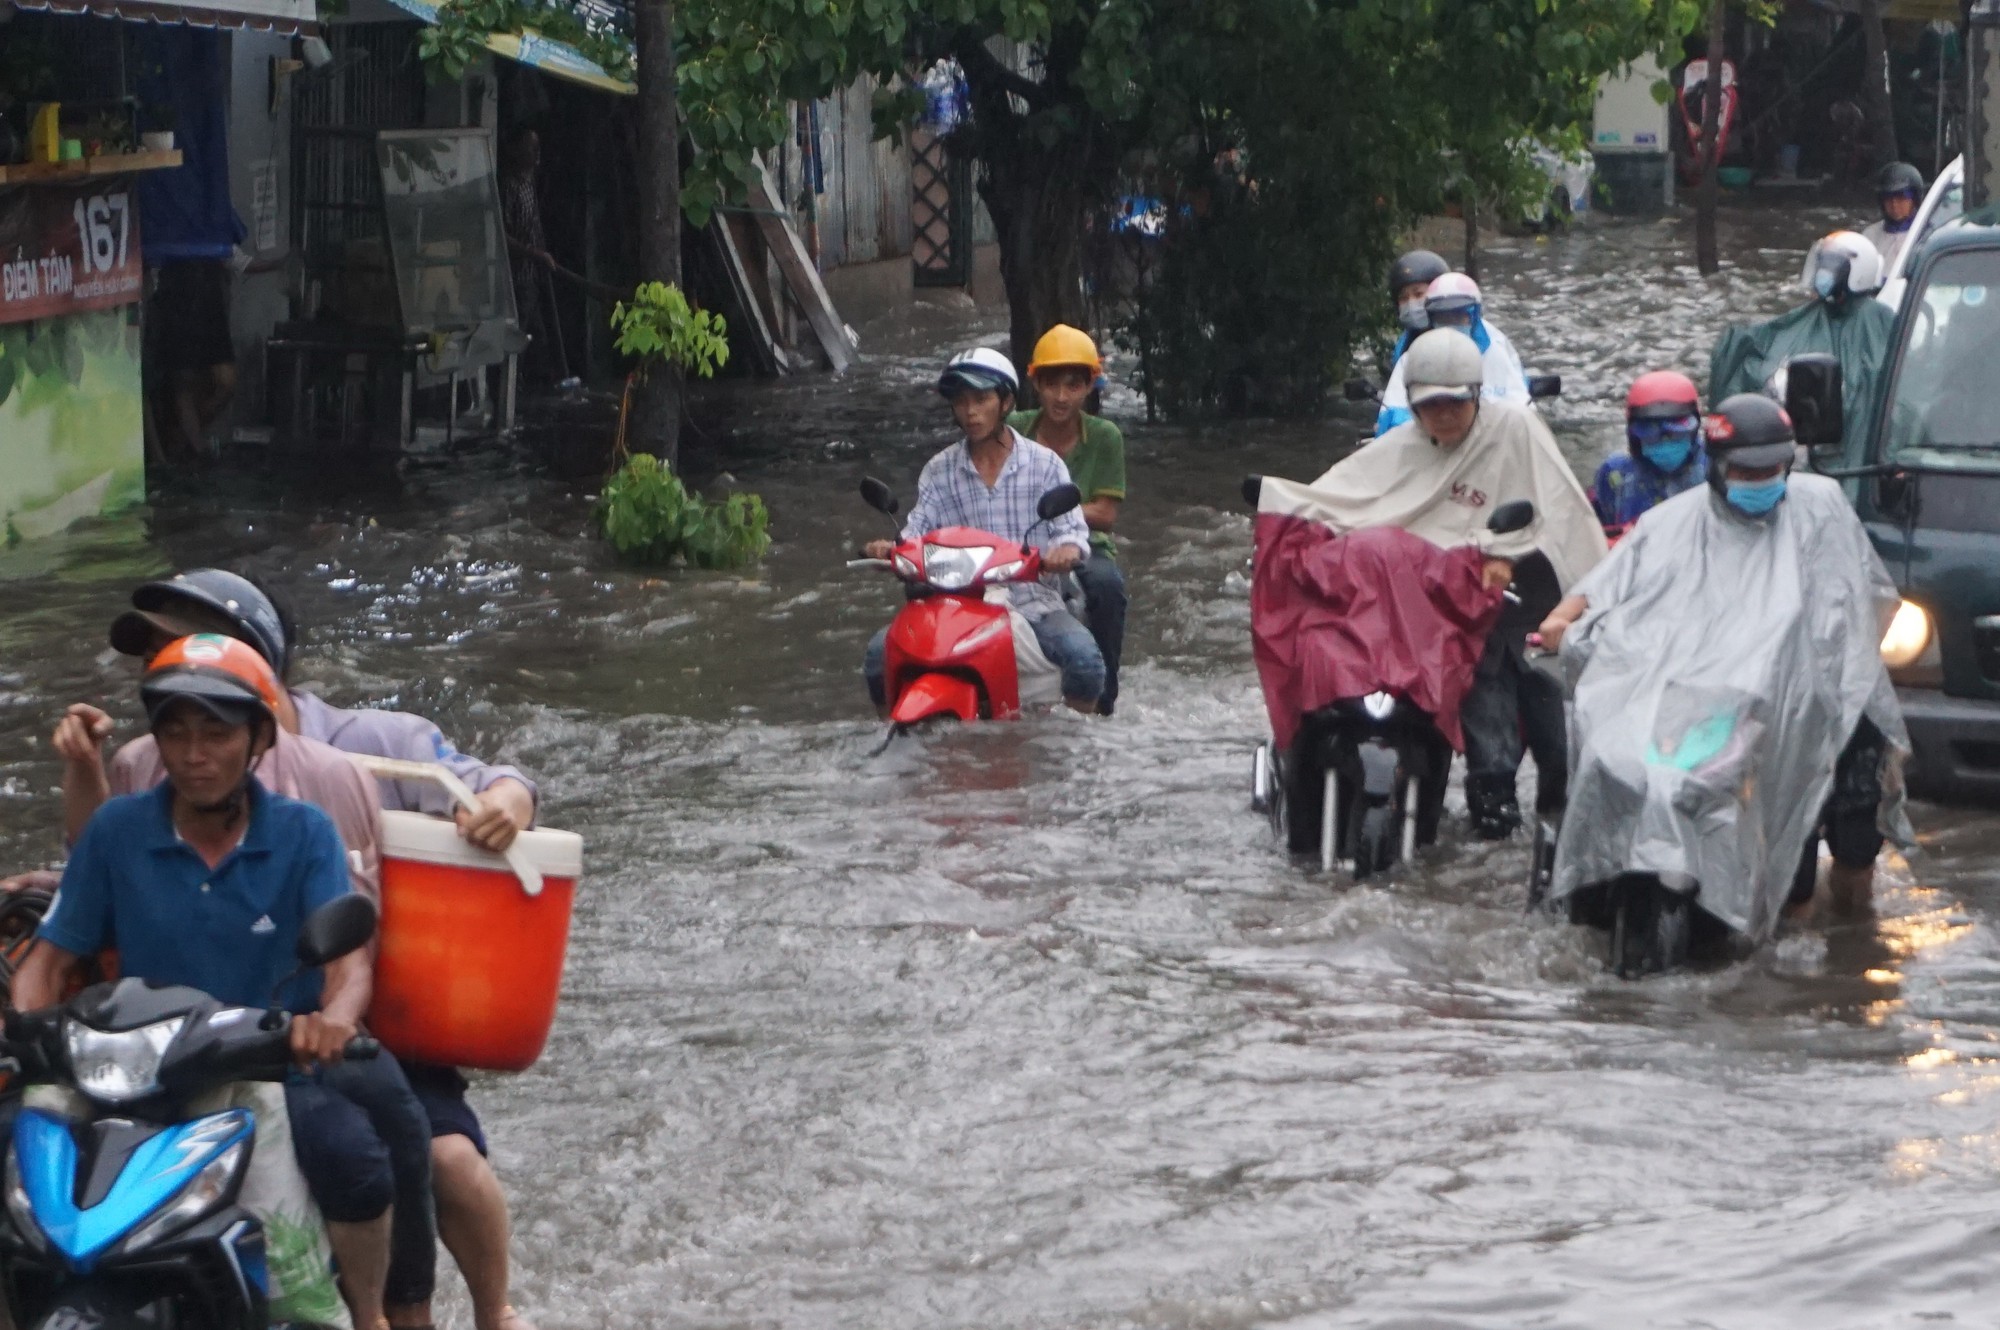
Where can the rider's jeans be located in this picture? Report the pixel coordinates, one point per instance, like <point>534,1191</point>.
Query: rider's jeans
<point>1510,703</point>
<point>1103,584</point>
<point>363,1141</point>
<point>1066,643</point>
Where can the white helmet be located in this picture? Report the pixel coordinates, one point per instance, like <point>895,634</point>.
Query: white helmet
<point>1443,364</point>
<point>981,369</point>
<point>1842,263</point>
<point>1452,292</point>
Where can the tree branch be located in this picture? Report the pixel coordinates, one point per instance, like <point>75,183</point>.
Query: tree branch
<point>982,67</point>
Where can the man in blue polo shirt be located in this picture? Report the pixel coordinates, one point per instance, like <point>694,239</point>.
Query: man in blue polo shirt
<point>206,881</point>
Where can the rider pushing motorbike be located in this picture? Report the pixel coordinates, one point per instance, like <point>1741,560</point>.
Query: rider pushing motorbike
<point>992,480</point>
<point>1440,476</point>
<point>1730,699</point>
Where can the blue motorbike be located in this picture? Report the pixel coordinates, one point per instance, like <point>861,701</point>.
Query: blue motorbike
<point>128,1220</point>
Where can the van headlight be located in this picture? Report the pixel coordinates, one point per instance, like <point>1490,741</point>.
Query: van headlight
<point>1910,638</point>
<point>116,1068</point>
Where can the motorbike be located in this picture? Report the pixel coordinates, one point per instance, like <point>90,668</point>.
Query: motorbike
<point>129,1219</point>
<point>1652,920</point>
<point>958,649</point>
<point>1362,780</point>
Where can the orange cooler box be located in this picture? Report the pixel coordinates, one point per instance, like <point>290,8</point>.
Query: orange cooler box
<point>470,964</point>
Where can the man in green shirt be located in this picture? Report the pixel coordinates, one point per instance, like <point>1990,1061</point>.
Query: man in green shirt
<point>1066,369</point>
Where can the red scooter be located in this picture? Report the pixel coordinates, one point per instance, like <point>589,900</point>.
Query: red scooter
<point>959,648</point>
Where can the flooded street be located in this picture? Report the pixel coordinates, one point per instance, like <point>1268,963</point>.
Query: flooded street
<point>1033,1025</point>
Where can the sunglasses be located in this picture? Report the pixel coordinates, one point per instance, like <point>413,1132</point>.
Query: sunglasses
<point>1652,431</point>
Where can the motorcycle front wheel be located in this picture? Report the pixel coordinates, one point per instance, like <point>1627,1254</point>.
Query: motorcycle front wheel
<point>1651,928</point>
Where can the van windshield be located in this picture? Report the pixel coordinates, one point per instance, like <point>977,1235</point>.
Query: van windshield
<point>1946,408</point>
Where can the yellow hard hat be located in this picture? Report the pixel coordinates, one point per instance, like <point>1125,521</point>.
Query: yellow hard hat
<point>1063,345</point>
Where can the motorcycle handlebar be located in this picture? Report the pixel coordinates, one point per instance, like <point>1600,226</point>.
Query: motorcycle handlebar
<point>363,1048</point>
<point>869,563</point>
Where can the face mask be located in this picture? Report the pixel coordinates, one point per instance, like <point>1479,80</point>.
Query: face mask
<point>1413,316</point>
<point>1755,498</point>
<point>1669,455</point>
<point>1825,284</point>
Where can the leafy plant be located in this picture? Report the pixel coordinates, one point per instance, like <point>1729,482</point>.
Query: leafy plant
<point>658,326</point>
<point>650,518</point>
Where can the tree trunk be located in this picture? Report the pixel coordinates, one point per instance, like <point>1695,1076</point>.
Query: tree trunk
<point>1706,255</point>
<point>656,403</point>
<point>1875,100</point>
<point>1037,209</point>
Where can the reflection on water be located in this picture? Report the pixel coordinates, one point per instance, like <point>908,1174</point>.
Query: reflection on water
<point>1032,1025</point>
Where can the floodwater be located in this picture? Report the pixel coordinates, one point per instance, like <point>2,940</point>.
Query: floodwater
<point>1032,1025</point>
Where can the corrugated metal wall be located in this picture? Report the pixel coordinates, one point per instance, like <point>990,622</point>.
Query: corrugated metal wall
<point>858,199</point>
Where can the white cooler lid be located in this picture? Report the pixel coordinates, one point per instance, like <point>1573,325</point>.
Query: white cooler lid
<point>435,840</point>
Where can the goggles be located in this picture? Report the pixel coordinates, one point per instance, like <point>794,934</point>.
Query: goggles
<point>1644,432</point>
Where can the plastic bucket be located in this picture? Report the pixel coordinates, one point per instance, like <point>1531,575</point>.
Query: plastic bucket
<point>469,964</point>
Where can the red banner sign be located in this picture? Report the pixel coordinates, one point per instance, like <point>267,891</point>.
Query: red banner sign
<point>68,248</point>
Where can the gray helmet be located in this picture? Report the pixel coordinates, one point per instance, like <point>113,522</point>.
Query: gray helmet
<point>1443,364</point>
<point>1419,265</point>
<point>1899,178</point>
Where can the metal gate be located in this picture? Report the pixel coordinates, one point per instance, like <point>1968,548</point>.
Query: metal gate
<point>940,213</point>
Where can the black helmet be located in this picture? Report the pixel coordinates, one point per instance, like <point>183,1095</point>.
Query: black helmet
<point>1899,178</point>
<point>1419,265</point>
<point>1748,429</point>
<point>212,594</point>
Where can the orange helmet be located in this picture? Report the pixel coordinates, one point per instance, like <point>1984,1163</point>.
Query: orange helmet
<point>226,678</point>
<point>1063,346</point>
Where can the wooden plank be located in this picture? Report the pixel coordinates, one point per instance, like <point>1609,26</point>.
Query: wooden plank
<point>111,163</point>
<point>763,346</point>
<point>800,274</point>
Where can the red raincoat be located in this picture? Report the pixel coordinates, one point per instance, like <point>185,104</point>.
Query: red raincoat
<point>1376,610</point>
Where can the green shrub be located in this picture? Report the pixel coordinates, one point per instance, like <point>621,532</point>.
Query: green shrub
<point>650,518</point>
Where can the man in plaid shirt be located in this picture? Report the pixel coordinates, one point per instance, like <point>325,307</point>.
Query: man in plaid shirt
<point>992,480</point>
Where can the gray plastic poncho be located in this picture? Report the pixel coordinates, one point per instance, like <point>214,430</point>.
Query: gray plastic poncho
<point>1723,664</point>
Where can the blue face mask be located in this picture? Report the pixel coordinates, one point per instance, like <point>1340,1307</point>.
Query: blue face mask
<point>1755,498</point>
<point>1413,316</point>
<point>1669,454</point>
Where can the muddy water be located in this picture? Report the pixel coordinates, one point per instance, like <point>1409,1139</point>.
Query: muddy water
<point>1031,1025</point>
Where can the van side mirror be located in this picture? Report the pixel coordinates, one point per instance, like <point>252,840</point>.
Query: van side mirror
<point>1060,500</point>
<point>1541,387</point>
<point>1813,400</point>
<point>877,495</point>
<point>337,928</point>
<point>1361,390</point>
<point>1253,490</point>
<point>1508,518</point>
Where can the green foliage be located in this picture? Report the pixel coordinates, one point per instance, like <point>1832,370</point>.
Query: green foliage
<point>651,518</point>
<point>658,326</point>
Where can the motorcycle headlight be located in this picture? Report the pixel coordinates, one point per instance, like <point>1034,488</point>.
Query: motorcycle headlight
<point>1004,573</point>
<point>118,1068</point>
<point>1379,706</point>
<point>19,1208</point>
<point>1909,639</point>
<point>952,569</point>
<point>202,1193</point>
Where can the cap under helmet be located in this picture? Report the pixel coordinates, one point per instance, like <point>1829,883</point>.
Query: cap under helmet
<point>237,600</point>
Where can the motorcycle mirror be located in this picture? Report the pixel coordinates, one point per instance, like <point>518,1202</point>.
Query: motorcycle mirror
<point>1813,399</point>
<point>877,495</point>
<point>337,928</point>
<point>1541,387</point>
<point>1511,517</point>
<point>1061,499</point>
<point>1253,490</point>
<point>1361,390</point>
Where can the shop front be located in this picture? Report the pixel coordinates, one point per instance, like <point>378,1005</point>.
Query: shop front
<point>97,172</point>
